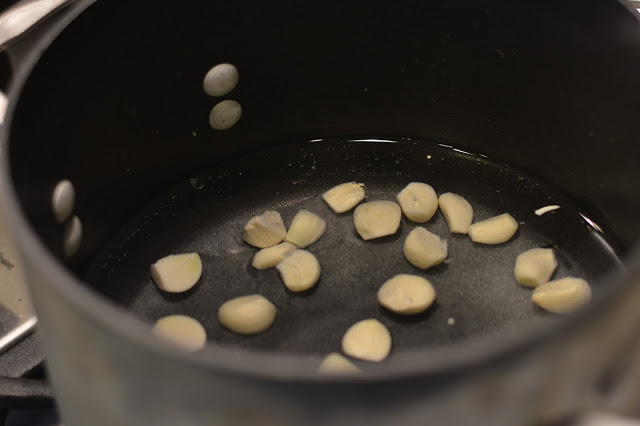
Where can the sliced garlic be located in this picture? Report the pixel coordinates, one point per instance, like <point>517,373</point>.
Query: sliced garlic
<point>535,267</point>
<point>424,249</point>
<point>406,294</point>
<point>335,363</point>
<point>344,197</point>
<point>299,271</point>
<point>418,201</point>
<point>265,230</point>
<point>377,219</point>
<point>367,339</point>
<point>457,211</point>
<point>306,228</point>
<point>269,257</point>
<point>495,230</point>
<point>182,331</point>
<point>562,296</point>
<point>250,314</point>
<point>177,273</point>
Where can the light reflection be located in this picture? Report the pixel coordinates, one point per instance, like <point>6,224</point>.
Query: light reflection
<point>373,140</point>
<point>316,140</point>
<point>592,223</point>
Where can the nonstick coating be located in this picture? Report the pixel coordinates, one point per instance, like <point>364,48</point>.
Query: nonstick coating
<point>475,287</point>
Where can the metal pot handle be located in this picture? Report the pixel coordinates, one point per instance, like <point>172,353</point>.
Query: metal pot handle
<point>17,392</point>
<point>17,20</point>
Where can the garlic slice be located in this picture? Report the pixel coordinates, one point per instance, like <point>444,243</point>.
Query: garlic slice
<point>535,267</point>
<point>418,201</point>
<point>367,339</point>
<point>182,331</point>
<point>265,230</point>
<point>306,228</point>
<point>424,249</point>
<point>495,230</point>
<point>334,363</point>
<point>344,197</point>
<point>562,296</point>
<point>299,271</point>
<point>250,314</point>
<point>177,273</point>
<point>269,257</point>
<point>377,219</point>
<point>457,211</point>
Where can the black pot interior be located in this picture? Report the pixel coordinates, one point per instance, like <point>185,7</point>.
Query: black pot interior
<point>549,94</point>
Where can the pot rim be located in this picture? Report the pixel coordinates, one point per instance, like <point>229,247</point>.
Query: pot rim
<point>450,360</point>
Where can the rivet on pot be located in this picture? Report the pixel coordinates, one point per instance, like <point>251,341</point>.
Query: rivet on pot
<point>221,79</point>
<point>62,200</point>
<point>225,115</point>
<point>72,236</point>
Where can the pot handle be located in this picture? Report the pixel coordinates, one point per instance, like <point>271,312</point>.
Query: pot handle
<point>16,21</point>
<point>20,18</point>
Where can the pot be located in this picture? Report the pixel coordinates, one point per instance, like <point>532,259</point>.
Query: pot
<point>515,108</point>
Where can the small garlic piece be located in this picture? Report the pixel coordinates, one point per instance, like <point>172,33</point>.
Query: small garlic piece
<point>182,331</point>
<point>495,230</point>
<point>562,296</point>
<point>418,201</point>
<point>177,273</point>
<point>367,339</point>
<point>424,249</point>
<point>299,271</point>
<point>344,197</point>
<point>334,363</point>
<point>535,267</point>
<point>265,230</point>
<point>377,219</point>
<point>269,257</point>
<point>250,314</point>
<point>306,228</point>
<point>406,294</point>
<point>457,211</point>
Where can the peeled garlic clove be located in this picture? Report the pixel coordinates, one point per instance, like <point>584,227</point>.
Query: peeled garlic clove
<point>177,273</point>
<point>424,249</point>
<point>562,296</point>
<point>250,314</point>
<point>344,197</point>
<point>182,331</point>
<point>265,230</point>
<point>299,271</point>
<point>377,219</point>
<point>269,257</point>
<point>306,228</point>
<point>367,339</point>
<point>457,211</point>
<point>495,230</point>
<point>406,294</point>
<point>335,363</point>
<point>418,201</point>
<point>535,267</point>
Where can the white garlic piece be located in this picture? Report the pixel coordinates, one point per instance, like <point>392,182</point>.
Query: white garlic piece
<point>265,230</point>
<point>377,219</point>
<point>367,339</point>
<point>535,267</point>
<point>269,257</point>
<point>562,296</point>
<point>334,363</point>
<point>344,197</point>
<point>424,249</point>
<point>182,331</point>
<point>250,314</point>
<point>299,271</point>
<point>177,273</point>
<point>457,211</point>
<point>495,230</point>
<point>407,294</point>
<point>418,201</point>
<point>306,228</point>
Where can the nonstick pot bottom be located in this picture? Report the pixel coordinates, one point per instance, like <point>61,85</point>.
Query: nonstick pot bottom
<point>476,290</point>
